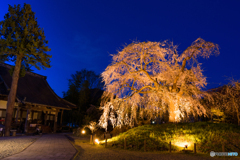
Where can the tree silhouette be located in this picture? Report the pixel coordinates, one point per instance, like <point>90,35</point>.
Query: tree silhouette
<point>81,85</point>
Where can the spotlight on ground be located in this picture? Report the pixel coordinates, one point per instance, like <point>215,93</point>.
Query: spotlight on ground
<point>97,141</point>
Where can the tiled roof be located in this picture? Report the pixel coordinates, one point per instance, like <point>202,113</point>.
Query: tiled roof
<point>33,88</point>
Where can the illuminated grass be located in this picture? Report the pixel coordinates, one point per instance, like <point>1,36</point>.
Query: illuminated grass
<point>208,136</point>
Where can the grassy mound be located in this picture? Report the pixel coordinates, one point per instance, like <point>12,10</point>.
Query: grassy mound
<point>208,137</point>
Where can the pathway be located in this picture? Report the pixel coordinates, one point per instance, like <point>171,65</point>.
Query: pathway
<point>48,147</point>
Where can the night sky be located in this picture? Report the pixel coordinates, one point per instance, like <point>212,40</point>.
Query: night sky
<point>83,33</point>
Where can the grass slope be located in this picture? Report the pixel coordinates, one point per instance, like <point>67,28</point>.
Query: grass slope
<point>208,137</point>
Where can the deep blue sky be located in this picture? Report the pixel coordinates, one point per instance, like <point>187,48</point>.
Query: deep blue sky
<point>83,33</point>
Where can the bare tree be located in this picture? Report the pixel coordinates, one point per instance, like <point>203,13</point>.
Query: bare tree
<point>150,78</point>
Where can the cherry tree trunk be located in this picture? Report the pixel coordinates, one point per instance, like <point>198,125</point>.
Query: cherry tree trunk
<point>172,113</point>
<point>12,96</point>
<point>238,117</point>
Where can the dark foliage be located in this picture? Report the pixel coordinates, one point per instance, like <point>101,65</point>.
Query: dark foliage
<point>85,90</point>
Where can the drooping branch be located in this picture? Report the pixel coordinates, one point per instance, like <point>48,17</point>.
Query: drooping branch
<point>142,75</point>
<point>139,71</point>
<point>181,71</point>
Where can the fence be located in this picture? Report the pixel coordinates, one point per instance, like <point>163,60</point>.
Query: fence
<point>92,138</point>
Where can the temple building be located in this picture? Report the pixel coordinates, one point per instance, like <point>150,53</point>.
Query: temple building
<point>36,102</point>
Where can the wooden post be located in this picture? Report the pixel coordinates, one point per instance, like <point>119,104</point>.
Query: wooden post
<point>61,117</point>
<point>21,112</point>
<point>17,114</point>
<point>125,143</point>
<point>32,116</point>
<point>45,118</point>
<point>170,149</point>
<point>145,145</point>
<point>195,150</point>
<point>14,133</point>
<point>26,122</point>
<point>138,143</point>
<point>55,122</point>
<point>94,137</point>
<point>105,142</point>
<point>91,139</point>
<point>223,148</point>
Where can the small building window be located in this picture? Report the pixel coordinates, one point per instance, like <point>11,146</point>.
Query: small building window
<point>51,117</point>
<point>35,115</point>
<point>3,113</point>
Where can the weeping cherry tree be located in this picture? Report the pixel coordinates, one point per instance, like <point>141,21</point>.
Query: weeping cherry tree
<point>147,79</point>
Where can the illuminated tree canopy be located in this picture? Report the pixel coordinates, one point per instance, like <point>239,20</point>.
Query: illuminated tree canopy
<point>150,78</point>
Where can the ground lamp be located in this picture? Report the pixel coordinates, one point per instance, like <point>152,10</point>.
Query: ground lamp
<point>97,141</point>
<point>185,145</point>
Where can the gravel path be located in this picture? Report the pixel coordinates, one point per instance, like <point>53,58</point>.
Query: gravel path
<point>13,145</point>
<point>53,146</point>
<point>98,152</point>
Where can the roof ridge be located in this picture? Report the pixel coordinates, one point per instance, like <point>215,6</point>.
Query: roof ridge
<point>27,72</point>
<point>58,98</point>
<point>68,102</point>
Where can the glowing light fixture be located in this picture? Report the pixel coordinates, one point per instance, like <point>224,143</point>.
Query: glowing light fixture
<point>97,141</point>
<point>185,145</point>
<point>83,131</point>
